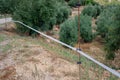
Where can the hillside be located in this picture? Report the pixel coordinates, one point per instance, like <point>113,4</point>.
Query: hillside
<point>23,58</point>
<point>27,55</point>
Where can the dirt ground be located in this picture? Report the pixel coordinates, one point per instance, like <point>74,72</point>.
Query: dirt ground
<point>38,65</point>
<point>27,61</point>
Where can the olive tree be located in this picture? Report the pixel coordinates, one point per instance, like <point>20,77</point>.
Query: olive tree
<point>108,26</point>
<point>40,14</point>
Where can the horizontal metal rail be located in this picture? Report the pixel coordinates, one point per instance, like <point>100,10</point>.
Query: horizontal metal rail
<point>80,52</point>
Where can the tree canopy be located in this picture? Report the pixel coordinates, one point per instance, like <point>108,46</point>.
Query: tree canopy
<point>41,14</point>
<point>108,26</point>
<point>8,6</point>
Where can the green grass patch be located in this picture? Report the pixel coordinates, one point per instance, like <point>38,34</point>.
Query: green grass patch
<point>6,48</point>
<point>2,37</point>
<point>59,50</point>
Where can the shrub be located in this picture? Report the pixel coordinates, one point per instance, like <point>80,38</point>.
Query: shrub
<point>90,2</point>
<point>5,7</point>
<point>108,26</point>
<point>73,3</point>
<point>8,6</point>
<point>68,32</point>
<point>40,14</point>
<point>63,12</point>
<point>92,11</point>
<point>113,37</point>
<point>62,1</point>
<point>112,42</point>
<point>85,27</point>
<point>105,20</point>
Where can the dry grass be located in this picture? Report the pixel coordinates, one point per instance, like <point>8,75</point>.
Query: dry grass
<point>51,59</point>
<point>27,54</point>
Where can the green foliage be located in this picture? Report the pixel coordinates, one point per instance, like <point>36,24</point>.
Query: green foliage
<point>105,20</point>
<point>108,26</point>
<point>85,27</point>
<point>63,12</point>
<point>92,10</point>
<point>5,6</point>
<point>40,14</point>
<point>62,1</point>
<point>73,3</point>
<point>68,32</point>
<point>89,1</point>
<point>8,6</point>
<point>66,0</point>
<point>113,36</point>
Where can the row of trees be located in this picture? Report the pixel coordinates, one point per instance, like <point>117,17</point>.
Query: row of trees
<point>86,31</point>
<point>69,30</point>
<point>40,14</point>
<point>8,6</point>
<point>108,27</point>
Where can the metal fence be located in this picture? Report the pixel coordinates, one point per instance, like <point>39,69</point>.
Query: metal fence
<point>90,69</point>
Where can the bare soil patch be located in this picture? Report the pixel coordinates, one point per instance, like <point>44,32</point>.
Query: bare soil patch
<point>27,61</point>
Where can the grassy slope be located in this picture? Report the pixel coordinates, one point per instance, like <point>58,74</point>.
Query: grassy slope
<point>8,42</point>
<point>11,42</point>
<point>94,49</point>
